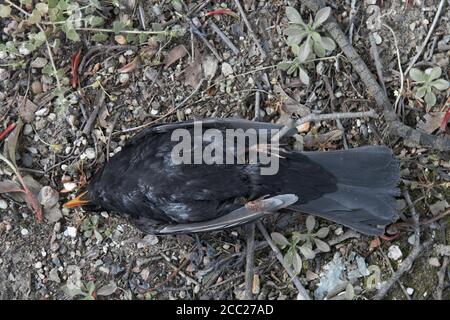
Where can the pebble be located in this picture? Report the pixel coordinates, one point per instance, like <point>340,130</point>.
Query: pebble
<point>24,232</point>
<point>71,232</point>
<point>38,265</point>
<point>433,261</point>
<point>53,275</point>
<point>226,246</point>
<point>54,246</point>
<point>124,77</point>
<point>48,197</point>
<point>36,87</point>
<point>41,112</point>
<point>226,69</point>
<point>38,63</point>
<point>69,186</point>
<point>3,204</point>
<point>150,240</point>
<point>27,129</point>
<point>90,153</point>
<point>409,291</point>
<point>394,252</point>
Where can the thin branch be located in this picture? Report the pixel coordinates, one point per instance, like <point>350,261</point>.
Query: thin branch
<point>441,278</point>
<point>427,38</point>
<point>250,30</point>
<point>90,122</point>
<point>376,58</point>
<point>249,261</point>
<point>335,116</point>
<point>400,92</point>
<point>279,256</point>
<point>224,37</point>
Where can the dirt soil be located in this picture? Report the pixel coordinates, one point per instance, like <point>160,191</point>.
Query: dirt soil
<point>76,254</point>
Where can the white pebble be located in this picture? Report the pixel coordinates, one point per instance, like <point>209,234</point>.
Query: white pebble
<point>410,291</point>
<point>38,265</point>
<point>3,204</point>
<point>24,232</point>
<point>395,253</point>
<point>69,186</point>
<point>71,232</point>
<point>226,69</point>
<point>433,261</point>
<point>41,112</point>
<point>90,153</point>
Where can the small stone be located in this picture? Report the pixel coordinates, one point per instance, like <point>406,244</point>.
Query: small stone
<point>27,129</point>
<point>124,77</point>
<point>433,261</point>
<point>411,239</point>
<point>53,275</point>
<point>41,112</point>
<point>54,246</point>
<point>24,232</point>
<point>90,153</point>
<point>38,265</point>
<point>394,252</point>
<point>48,197</point>
<point>69,186</point>
<point>210,65</point>
<point>154,112</point>
<point>71,232</point>
<point>36,87</point>
<point>409,291</point>
<point>226,246</point>
<point>38,63</point>
<point>338,231</point>
<point>226,69</point>
<point>149,240</point>
<point>3,204</point>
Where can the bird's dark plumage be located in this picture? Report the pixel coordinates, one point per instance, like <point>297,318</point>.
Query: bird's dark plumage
<point>354,187</point>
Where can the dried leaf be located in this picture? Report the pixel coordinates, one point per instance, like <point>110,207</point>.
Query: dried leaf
<point>130,67</point>
<point>290,105</point>
<point>349,292</point>
<point>27,110</point>
<point>120,39</point>
<point>174,55</point>
<point>75,62</point>
<point>193,73</point>
<point>11,142</point>
<point>375,243</point>
<point>432,122</point>
<point>7,186</point>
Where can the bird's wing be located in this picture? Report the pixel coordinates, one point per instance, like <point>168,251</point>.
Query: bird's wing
<point>240,216</point>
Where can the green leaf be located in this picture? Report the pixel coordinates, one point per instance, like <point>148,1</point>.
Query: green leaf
<point>177,5</point>
<point>72,34</point>
<point>297,263</point>
<point>319,50</point>
<point>305,50</point>
<point>420,92</point>
<point>349,292</point>
<point>42,8</point>
<point>95,21</point>
<point>296,39</point>
<point>118,26</point>
<point>35,17</point>
<point>417,75</point>
<point>440,84</point>
<point>328,43</point>
<point>293,16</point>
<point>52,3</point>
<point>321,16</point>
<point>310,223</point>
<point>5,11</point>
<point>293,30</point>
<point>279,239</point>
<point>107,290</point>
<point>303,76</point>
<point>433,73</point>
<point>99,37</point>
<point>322,233</point>
<point>307,252</point>
<point>292,69</point>
<point>321,245</point>
<point>430,99</point>
<point>284,65</point>
<point>288,258</point>
<point>295,49</point>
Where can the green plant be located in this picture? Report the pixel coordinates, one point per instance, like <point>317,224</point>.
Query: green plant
<point>292,256</point>
<point>426,81</point>
<point>88,291</point>
<point>305,41</point>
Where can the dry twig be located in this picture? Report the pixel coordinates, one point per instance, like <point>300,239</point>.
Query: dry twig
<point>249,261</point>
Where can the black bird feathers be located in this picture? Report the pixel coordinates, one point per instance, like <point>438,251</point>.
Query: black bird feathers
<point>354,187</point>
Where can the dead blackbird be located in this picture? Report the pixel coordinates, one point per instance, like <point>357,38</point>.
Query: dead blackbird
<point>356,187</point>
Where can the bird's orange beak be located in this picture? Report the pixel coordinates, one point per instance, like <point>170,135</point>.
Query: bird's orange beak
<point>77,201</point>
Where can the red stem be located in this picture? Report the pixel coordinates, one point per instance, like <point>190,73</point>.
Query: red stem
<point>7,131</point>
